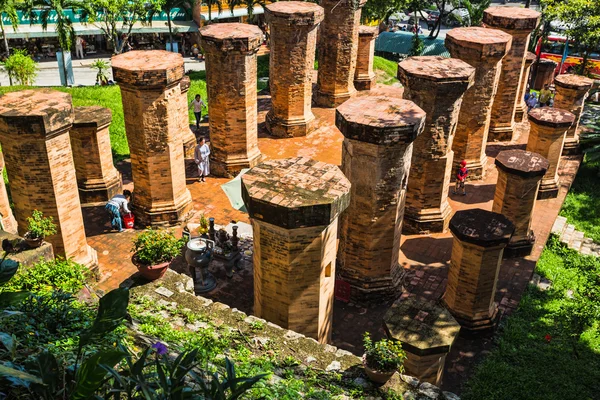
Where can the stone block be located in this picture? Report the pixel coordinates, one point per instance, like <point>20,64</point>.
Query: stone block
<point>28,258</point>
<point>364,76</point>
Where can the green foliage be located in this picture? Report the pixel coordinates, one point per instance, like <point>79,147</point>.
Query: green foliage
<point>21,68</point>
<point>39,226</point>
<point>156,246</point>
<point>383,355</point>
<point>417,46</point>
<point>381,10</point>
<point>45,276</point>
<point>475,8</point>
<point>101,67</point>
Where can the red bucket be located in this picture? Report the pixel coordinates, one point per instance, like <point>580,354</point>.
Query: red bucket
<point>128,221</point>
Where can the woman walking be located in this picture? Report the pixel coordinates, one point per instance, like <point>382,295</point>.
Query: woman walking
<point>201,157</point>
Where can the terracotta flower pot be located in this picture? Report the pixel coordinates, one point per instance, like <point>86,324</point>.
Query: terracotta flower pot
<point>375,376</point>
<point>151,272</point>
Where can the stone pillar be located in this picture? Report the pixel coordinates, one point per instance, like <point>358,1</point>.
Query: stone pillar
<point>436,84</point>
<point>521,109</point>
<point>571,92</point>
<point>230,51</point>
<point>483,49</point>
<point>34,132</point>
<point>544,73</point>
<point>189,138</point>
<point>97,178</point>
<point>338,46</point>
<point>364,77</point>
<point>9,223</point>
<point>293,41</point>
<point>152,104</point>
<point>519,176</point>
<point>518,22</point>
<point>378,135</point>
<point>294,206</point>
<point>479,240</point>
<point>427,331</point>
<point>548,127</point>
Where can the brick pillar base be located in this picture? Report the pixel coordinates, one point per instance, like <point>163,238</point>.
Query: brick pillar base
<point>521,108</point>
<point>34,125</point>
<point>97,178</point>
<point>9,223</point>
<point>294,206</point>
<point>189,138</point>
<point>546,136</point>
<point>364,77</point>
<point>519,176</point>
<point>437,85</point>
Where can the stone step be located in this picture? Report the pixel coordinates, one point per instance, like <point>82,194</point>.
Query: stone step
<point>560,224</point>
<point>567,234</point>
<point>576,240</point>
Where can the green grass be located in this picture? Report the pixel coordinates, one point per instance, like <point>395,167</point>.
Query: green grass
<point>388,68</point>
<point>529,365</point>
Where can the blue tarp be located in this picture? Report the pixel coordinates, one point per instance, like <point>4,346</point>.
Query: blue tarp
<point>401,42</point>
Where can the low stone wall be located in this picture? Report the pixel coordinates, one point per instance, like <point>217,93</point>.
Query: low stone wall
<point>29,257</point>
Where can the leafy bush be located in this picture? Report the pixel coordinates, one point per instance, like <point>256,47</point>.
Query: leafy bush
<point>383,355</point>
<point>58,274</point>
<point>156,246</point>
<point>40,226</point>
<point>20,67</point>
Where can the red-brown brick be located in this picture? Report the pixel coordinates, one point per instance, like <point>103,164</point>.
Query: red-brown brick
<point>437,85</point>
<point>364,76</point>
<point>9,223</point>
<point>377,150</point>
<point>34,132</point>
<point>230,50</point>
<point>152,106</point>
<point>188,137</point>
<point>521,109</point>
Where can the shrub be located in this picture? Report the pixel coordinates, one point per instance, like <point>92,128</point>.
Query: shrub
<point>45,276</point>
<point>156,246</point>
<point>20,67</point>
<point>383,355</point>
<point>40,226</point>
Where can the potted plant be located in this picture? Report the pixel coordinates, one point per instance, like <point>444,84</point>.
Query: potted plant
<point>154,250</point>
<point>203,227</point>
<point>38,228</point>
<point>382,358</point>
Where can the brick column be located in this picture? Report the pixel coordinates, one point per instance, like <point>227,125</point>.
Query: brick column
<point>231,83</point>
<point>519,176</point>
<point>294,206</point>
<point>152,104</point>
<point>571,92</point>
<point>518,22</point>
<point>338,46</point>
<point>378,135</point>
<point>293,41</point>
<point>548,127</point>
<point>521,109</point>
<point>9,223</point>
<point>479,240</point>
<point>97,178</point>
<point>436,84</point>
<point>189,138</point>
<point>483,49</point>
<point>34,131</point>
<point>364,77</point>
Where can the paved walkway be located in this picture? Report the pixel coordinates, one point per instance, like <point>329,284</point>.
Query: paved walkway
<point>426,257</point>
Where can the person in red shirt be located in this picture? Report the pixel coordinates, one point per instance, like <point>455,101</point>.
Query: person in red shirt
<point>461,177</point>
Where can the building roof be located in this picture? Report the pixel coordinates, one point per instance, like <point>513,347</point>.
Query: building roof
<point>401,43</point>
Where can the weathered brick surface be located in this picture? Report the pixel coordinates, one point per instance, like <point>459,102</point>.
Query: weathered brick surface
<point>483,49</point>
<point>338,46</point>
<point>571,92</point>
<point>97,178</point>
<point>437,85</point>
<point>518,22</point>
<point>377,150</point>
<point>364,76</point>
<point>519,176</point>
<point>546,137</point>
<point>188,137</point>
<point>9,223</point>
<point>152,105</point>
<point>479,240</point>
<point>34,131</point>
<point>294,206</point>
<point>521,108</point>
<point>230,51</point>
<point>293,27</point>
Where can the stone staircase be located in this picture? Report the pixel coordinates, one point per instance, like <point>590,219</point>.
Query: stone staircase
<point>573,238</point>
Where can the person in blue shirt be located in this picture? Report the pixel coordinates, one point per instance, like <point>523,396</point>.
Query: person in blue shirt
<point>114,207</point>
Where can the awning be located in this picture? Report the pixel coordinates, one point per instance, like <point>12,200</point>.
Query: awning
<point>401,43</point>
<point>237,13</point>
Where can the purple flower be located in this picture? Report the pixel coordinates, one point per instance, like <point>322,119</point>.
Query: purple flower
<point>160,348</point>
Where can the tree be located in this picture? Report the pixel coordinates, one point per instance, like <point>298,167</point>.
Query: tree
<point>210,4</point>
<point>381,10</point>
<point>8,8</point>
<point>475,8</point>
<point>167,6</point>
<point>20,67</point>
<point>249,4</point>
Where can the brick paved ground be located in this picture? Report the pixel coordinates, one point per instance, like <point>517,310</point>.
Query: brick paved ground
<point>425,257</point>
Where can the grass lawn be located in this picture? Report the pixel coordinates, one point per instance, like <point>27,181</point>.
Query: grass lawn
<point>549,349</point>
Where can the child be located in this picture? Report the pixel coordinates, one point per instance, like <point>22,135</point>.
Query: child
<point>461,177</point>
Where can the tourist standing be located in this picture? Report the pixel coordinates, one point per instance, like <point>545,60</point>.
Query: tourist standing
<point>201,157</point>
<point>531,101</point>
<point>114,207</point>
<point>461,177</point>
<point>545,96</point>
<point>79,47</point>
<point>197,103</point>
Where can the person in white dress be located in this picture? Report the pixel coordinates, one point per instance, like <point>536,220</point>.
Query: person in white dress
<point>202,160</point>
<point>79,47</point>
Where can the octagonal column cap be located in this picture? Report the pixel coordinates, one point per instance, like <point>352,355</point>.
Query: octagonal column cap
<point>368,31</point>
<point>295,192</point>
<point>380,120</point>
<point>346,3</point>
<point>522,163</point>
<point>482,228</point>
<point>297,13</point>
<point>36,112</point>
<point>530,58</point>
<point>478,42</point>
<point>511,18</point>
<point>148,68</point>
<point>571,81</point>
<point>231,37</point>
<point>552,117</point>
<point>92,116</point>
<point>435,68</point>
